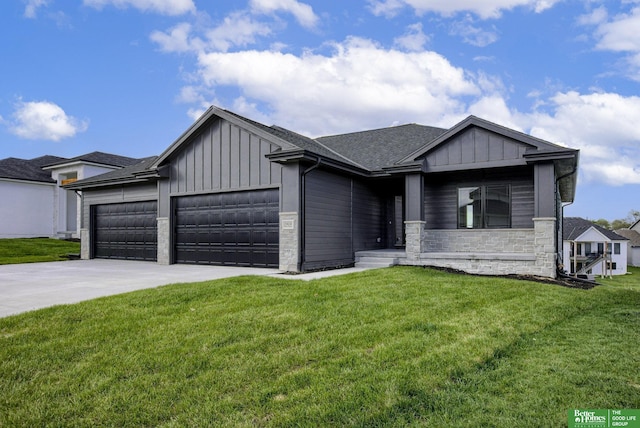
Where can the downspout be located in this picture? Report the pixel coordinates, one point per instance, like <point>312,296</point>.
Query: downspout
<point>303,213</point>
<point>560,216</point>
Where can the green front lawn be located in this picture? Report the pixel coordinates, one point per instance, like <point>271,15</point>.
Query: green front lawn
<point>30,250</point>
<point>391,347</point>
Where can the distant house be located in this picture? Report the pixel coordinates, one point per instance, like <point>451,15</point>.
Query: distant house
<point>591,249</point>
<point>34,203</point>
<point>633,249</point>
<point>477,197</point>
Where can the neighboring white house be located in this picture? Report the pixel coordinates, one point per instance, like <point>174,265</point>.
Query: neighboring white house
<point>34,204</point>
<point>590,249</point>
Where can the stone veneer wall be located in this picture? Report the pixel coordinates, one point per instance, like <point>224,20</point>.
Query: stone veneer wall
<point>85,244</point>
<point>487,252</point>
<point>164,243</point>
<point>289,242</point>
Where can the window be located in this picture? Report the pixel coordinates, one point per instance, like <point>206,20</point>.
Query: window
<point>616,248</point>
<point>579,249</point>
<point>587,248</point>
<point>612,265</point>
<point>484,207</point>
<point>600,248</point>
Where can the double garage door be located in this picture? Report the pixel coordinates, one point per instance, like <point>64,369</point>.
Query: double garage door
<point>234,229</point>
<point>229,229</point>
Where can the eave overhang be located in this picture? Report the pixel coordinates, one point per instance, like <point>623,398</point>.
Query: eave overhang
<point>301,155</point>
<point>106,183</point>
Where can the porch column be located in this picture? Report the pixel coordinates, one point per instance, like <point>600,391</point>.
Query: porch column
<point>544,246</point>
<point>414,216</point>
<point>291,209</point>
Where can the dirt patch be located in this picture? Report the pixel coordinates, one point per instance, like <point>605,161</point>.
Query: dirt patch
<point>564,282</point>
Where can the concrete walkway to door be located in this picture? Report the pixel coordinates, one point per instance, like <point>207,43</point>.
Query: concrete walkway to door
<point>24,287</point>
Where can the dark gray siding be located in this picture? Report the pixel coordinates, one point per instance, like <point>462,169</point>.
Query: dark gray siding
<point>343,215</point>
<point>116,194</point>
<point>475,146</point>
<point>223,157</point>
<point>441,195</point>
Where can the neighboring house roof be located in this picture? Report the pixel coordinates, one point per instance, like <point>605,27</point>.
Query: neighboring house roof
<point>636,225</point>
<point>631,235</point>
<point>384,147</point>
<point>28,169</point>
<point>128,174</point>
<point>574,227</point>
<point>98,158</point>
<point>37,169</point>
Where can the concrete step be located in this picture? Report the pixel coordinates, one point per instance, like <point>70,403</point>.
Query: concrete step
<point>368,261</point>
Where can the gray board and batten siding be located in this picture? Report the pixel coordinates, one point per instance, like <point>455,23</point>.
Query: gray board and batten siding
<point>475,148</point>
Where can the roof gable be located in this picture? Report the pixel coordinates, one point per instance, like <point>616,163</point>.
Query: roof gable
<point>495,131</point>
<point>576,228</point>
<point>215,113</point>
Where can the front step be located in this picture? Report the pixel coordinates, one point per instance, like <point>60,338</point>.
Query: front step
<point>378,259</point>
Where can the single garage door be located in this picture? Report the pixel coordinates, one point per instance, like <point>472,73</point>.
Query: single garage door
<point>125,231</point>
<point>231,229</point>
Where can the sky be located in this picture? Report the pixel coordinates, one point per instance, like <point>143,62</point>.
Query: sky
<point>129,76</point>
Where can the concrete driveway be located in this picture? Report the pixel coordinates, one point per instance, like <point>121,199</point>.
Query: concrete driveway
<point>24,287</point>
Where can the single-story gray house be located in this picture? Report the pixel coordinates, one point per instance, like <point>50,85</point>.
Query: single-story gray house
<point>477,197</point>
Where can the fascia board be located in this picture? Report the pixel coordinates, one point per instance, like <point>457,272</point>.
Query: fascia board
<point>34,182</point>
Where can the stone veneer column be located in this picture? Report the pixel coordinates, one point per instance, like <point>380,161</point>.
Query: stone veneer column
<point>164,241</point>
<point>85,244</point>
<point>414,232</point>
<point>545,248</point>
<point>289,242</point>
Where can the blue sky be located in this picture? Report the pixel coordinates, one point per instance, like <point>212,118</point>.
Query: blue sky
<point>129,76</point>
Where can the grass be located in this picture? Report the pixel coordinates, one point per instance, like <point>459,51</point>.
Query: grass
<point>393,347</point>
<point>31,250</point>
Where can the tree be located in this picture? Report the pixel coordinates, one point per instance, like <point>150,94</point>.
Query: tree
<point>603,222</point>
<point>620,224</point>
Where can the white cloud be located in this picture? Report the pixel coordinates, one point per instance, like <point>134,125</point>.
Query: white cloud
<point>621,34</point>
<point>360,85</point>
<point>413,39</point>
<point>302,12</point>
<point>177,39</point>
<point>472,34</point>
<point>32,6</point>
<point>44,120</point>
<point>484,9</point>
<point>618,34</point>
<point>237,29</point>
<point>602,126</point>
<point>164,7</point>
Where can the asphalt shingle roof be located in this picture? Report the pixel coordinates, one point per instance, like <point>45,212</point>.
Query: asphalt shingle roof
<point>573,227</point>
<point>101,158</point>
<point>381,148</point>
<point>27,169</point>
<point>123,174</point>
<point>631,235</point>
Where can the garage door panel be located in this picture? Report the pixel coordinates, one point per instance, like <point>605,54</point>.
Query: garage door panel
<point>234,229</point>
<point>125,231</point>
